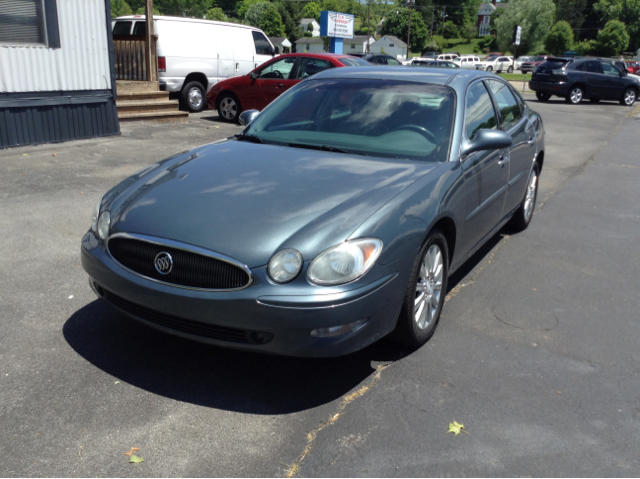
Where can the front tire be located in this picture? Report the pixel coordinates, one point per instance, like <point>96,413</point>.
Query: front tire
<point>628,97</point>
<point>425,295</point>
<point>192,96</point>
<point>543,96</point>
<point>510,70</point>
<point>575,95</point>
<point>489,69</point>
<point>229,108</point>
<point>522,217</point>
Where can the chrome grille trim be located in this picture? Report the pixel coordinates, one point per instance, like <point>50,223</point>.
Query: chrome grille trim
<point>184,247</point>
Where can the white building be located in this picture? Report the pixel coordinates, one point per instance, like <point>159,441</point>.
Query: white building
<point>357,44</point>
<point>304,26</point>
<point>282,43</point>
<point>391,46</point>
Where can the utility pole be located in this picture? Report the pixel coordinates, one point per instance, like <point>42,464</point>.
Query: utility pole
<point>444,9</point>
<point>369,26</point>
<point>410,2</point>
<point>433,15</point>
<point>151,64</point>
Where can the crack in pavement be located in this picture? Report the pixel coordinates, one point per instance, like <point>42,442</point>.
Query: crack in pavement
<point>294,468</point>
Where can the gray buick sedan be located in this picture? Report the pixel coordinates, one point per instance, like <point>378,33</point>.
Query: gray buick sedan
<point>332,220</point>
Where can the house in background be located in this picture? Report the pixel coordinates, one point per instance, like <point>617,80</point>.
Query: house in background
<point>484,16</point>
<point>304,26</point>
<point>283,43</point>
<point>357,44</point>
<point>391,46</point>
<point>57,73</point>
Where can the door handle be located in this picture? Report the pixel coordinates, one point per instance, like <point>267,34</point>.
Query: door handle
<point>279,85</point>
<point>530,141</point>
<point>503,159</point>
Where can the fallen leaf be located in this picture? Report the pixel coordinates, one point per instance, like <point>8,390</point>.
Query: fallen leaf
<point>24,154</point>
<point>117,382</point>
<point>455,427</point>
<point>133,449</point>
<point>136,459</point>
<point>216,126</point>
<point>53,154</point>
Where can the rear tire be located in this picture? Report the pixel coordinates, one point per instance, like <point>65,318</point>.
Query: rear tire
<point>543,96</point>
<point>575,95</point>
<point>192,97</point>
<point>628,97</point>
<point>425,295</point>
<point>489,69</point>
<point>522,217</point>
<point>229,108</point>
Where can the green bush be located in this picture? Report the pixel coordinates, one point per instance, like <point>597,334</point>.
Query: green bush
<point>450,30</point>
<point>585,47</point>
<point>612,39</point>
<point>559,39</point>
<point>440,41</point>
<point>307,34</point>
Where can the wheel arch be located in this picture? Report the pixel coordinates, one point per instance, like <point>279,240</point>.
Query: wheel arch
<point>199,77</point>
<point>580,84</point>
<point>540,160</point>
<point>447,226</point>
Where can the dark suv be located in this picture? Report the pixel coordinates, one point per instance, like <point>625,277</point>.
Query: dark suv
<point>577,78</point>
<point>381,59</point>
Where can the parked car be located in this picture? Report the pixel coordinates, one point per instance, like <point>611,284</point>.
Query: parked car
<point>519,61</point>
<point>434,63</point>
<point>330,221</point>
<point>629,67</point>
<point>194,54</point>
<point>633,67</point>
<point>428,54</point>
<point>447,57</point>
<point>260,87</point>
<point>381,59</point>
<point>498,64</point>
<point>470,62</point>
<point>580,78</point>
<point>528,67</point>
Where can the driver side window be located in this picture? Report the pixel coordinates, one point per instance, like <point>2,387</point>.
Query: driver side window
<point>280,69</point>
<point>609,69</point>
<point>480,113</point>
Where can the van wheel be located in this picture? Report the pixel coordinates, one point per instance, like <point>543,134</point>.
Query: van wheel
<point>229,108</point>
<point>192,96</point>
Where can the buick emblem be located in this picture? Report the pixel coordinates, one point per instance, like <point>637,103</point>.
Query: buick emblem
<point>163,262</point>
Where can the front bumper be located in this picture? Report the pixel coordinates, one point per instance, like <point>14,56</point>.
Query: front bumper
<point>256,318</point>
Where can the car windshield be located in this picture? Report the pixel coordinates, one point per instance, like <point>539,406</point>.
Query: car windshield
<point>354,62</point>
<point>538,59</point>
<point>385,118</point>
<point>491,57</point>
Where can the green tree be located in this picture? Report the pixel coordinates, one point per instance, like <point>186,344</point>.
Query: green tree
<point>534,16</point>
<point>216,14</point>
<point>612,39</point>
<point>397,24</point>
<point>265,16</point>
<point>627,11</point>
<point>193,8</point>
<point>312,10</point>
<point>571,11</point>
<point>469,32</point>
<point>585,47</point>
<point>291,14</point>
<point>449,30</point>
<point>120,8</point>
<point>559,39</point>
<point>142,11</point>
<point>243,6</point>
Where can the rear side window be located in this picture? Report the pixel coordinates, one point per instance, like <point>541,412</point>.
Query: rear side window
<point>311,66</point>
<point>263,47</point>
<point>392,61</point>
<point>122,28</point>
<point>579,67</point>
<point>592,67</point>
<point>354,62</point>
<point>507,104</point>
<point>479,111</point>
<point>140,28</point>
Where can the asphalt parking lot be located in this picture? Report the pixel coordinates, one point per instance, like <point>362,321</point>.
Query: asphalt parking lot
<point>536,353</point>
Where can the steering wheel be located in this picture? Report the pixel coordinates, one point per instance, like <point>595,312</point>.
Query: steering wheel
<point>420,129</point>
<point>277,74</point>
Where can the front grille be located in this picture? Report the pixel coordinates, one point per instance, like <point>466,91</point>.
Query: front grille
<point>222,333</point>
<point>189,269</point>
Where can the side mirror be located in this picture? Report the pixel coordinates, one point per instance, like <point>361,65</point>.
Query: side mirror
<point>486,140</point>
<point>253,75</point>
<point>246,117</point>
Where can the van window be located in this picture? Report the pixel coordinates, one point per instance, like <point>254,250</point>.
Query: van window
<point>122,28</point>
<point>263,47</point>
<point>140,28</point>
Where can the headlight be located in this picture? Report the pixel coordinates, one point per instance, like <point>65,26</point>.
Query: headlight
<point>103,224</point>
<point>344,262</point>
<point>285,265</point>
<point>94,217</point>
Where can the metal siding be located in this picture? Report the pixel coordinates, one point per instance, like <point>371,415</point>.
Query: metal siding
<point>81,62</point>
<point>56,123</point>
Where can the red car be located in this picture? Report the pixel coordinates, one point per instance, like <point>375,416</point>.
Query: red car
<point>267,82</point>
<point>527,67</point>
<point>633,67</point>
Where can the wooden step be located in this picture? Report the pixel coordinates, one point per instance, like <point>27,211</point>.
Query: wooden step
<point>131,106</point>
<point>155,117</point>
<point>124,86</point>
<point>144,95</point>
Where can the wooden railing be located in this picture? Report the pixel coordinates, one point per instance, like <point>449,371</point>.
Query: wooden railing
<point>130,53</point>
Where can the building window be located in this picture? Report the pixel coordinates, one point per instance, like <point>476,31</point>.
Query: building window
<point>308,45</point>
<point>391,45</point>
<point>29,22</point>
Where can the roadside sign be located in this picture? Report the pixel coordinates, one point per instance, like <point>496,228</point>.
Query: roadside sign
<point>517,33</point>
<point>335,24</point>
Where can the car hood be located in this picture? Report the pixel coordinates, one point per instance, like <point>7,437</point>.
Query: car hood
<point>248,200</point>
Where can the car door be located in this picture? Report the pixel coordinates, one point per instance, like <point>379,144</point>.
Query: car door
<point>595,79</point>
<point>275,78</point>
<point>612,83</point>
<point>485,173</point>
<point>520,157</point>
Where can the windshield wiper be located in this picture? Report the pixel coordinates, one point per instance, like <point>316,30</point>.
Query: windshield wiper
<point>251,138</point>
<point>326,148</point>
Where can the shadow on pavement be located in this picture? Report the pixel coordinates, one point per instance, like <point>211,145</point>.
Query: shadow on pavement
<point>211,376</point>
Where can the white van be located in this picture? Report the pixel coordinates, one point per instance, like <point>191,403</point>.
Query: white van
<point>194,54</point>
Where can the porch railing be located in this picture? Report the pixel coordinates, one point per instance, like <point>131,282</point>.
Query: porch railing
<point>130,53</point>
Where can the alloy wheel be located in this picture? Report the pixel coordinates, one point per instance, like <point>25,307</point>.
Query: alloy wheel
<point>228,108</point>
<point>630,97</point>
<point>576,95</point>
<point>428,287</point>
<point>195,98</point>
<point>530,196</point>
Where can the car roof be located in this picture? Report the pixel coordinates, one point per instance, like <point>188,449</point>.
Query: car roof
<point>437,76</point>
<point>314,55</point>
